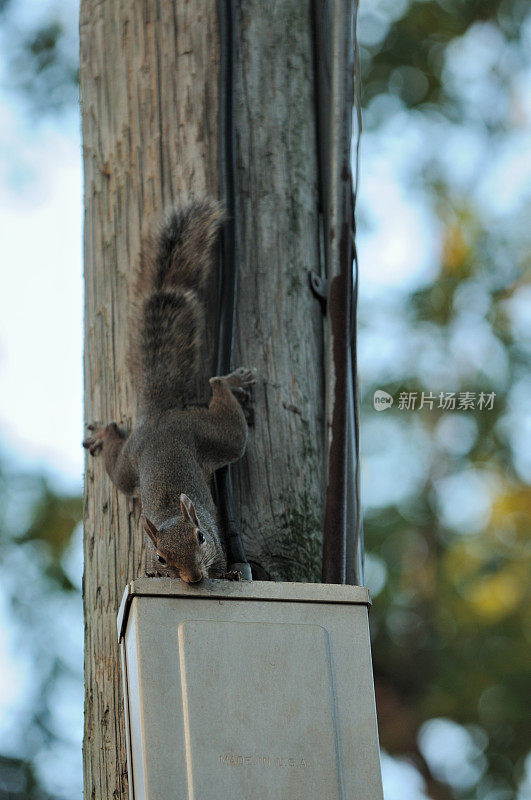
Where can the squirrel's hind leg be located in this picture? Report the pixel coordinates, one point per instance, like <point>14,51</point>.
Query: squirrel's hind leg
<point>221,429</point>
<point>114,444</point>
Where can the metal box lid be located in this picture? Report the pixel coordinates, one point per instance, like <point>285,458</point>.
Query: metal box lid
<point>240,590</point>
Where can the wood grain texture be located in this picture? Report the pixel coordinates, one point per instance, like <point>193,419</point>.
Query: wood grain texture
<point>149,87</point>
<point>280,483</point>
<point>149,94</point>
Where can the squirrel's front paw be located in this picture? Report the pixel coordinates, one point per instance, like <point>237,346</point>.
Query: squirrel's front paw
<point>95,442</point>
<point>243,377</point>
<point>240,382</point>
<point>233,575</point>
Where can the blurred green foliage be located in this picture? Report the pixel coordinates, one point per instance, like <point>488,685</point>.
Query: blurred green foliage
<point>41,599</point>
<point>451,621</point>
<point>40,55</point>
<point>405,54</point>
<point>17,780</point>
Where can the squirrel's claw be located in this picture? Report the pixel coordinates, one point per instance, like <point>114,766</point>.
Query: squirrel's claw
<point>94,443</point>
<point>233,575</point>
<point>241,380</point>
<point>246,376</point>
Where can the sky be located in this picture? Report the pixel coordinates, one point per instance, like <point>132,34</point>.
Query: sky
<point>41,286</point>
<point>41,294</point>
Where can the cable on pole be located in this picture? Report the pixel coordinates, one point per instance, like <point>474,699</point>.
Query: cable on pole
<point>354,516</point>
<point>337,80</point>
<point>237,561</point>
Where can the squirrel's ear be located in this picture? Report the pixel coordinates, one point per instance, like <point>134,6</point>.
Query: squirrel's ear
<point>150,529</point>
<point>188,510</point>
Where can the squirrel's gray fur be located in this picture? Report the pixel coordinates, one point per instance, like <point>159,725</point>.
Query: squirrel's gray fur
<point>167,323</point>
<point>169,457</point>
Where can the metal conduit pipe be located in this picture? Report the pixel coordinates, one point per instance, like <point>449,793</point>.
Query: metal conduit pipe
<point>237,560</point>
<point>335,65</point>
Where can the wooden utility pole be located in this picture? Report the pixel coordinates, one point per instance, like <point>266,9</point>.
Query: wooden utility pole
<point>149,93</point>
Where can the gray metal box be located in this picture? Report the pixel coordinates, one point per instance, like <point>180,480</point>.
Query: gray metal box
<point>248,691</point>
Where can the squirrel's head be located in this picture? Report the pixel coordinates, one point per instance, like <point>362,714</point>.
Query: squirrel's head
<point>183,549</point>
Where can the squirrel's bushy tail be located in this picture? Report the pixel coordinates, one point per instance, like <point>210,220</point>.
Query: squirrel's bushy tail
<point>167,323</point>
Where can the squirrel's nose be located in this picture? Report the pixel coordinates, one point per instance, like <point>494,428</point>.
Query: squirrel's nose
<point>196,578</point>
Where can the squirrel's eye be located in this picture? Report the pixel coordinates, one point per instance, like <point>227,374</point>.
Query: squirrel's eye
<point>201,537</point>
<point>161,559</point>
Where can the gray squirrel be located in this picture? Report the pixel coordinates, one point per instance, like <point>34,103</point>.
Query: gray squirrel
<point>169,458</point>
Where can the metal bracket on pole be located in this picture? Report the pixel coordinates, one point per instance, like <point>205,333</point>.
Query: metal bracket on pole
<point>319,287</point>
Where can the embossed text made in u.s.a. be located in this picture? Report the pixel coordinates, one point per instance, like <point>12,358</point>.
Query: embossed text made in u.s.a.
<point>237,760</point>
